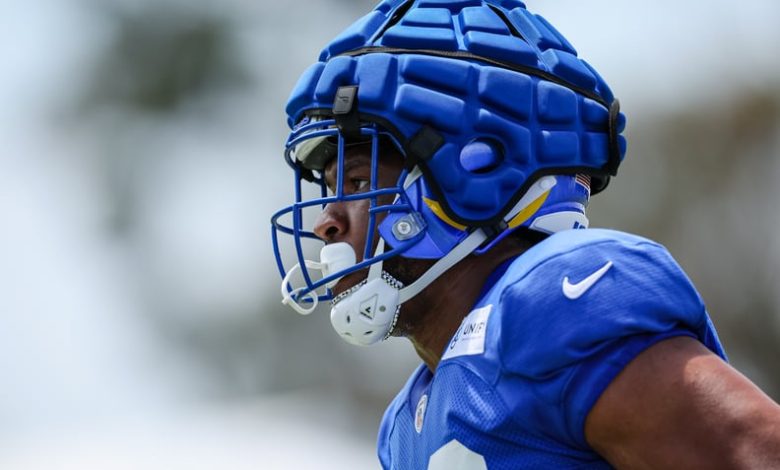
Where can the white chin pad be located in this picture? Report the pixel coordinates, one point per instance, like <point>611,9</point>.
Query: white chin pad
<point>366,316</point>
<point>334,258</point>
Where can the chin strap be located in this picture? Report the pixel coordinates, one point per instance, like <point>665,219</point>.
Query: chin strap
<point>367,313</point>
<point>466,247</point>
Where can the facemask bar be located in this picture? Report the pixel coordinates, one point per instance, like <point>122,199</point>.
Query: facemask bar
<point>325,129</point>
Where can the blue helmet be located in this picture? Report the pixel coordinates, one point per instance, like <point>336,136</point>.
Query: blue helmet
<point>500,125</point>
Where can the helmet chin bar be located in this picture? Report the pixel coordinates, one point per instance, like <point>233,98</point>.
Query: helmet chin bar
<point>367,313</point>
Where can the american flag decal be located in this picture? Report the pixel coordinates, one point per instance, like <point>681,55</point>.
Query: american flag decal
<point>583,180</point>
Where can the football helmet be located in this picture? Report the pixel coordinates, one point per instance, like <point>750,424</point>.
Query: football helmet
<point>500,126</point>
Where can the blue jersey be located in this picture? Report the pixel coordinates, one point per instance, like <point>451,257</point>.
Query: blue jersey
<point>551,330</point>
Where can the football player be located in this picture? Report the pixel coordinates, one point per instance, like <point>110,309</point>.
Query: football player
<point>454,146</point>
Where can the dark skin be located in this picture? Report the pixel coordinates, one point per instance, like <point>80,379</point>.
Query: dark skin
<point>347,222</point>
<point>676,405</point>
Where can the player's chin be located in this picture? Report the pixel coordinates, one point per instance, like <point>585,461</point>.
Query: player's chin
<point>349,281</point>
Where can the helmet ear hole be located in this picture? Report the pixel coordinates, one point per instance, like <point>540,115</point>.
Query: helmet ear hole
<point>482,156</point>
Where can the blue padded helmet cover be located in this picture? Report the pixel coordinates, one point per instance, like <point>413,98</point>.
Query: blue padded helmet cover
<point>485,70</point>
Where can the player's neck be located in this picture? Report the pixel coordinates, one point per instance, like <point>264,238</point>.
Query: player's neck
<point>439,310</point>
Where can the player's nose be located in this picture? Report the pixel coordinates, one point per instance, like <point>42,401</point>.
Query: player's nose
<point>331,224</point>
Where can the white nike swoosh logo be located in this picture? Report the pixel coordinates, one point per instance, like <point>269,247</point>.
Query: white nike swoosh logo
<point>575,291</point>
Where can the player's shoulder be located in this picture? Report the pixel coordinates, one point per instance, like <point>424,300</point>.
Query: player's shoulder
<point>575,246</point>
<point>574,255</point>
<point>580,289</point>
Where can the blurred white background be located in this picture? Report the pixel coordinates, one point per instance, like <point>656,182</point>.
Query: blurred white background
<point>141,158</point>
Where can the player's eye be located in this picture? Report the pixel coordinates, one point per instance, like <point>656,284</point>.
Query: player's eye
<point>351,186</point>
<point>359,185</point>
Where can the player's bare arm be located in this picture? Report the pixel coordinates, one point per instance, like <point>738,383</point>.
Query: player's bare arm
<point>677,405</point>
